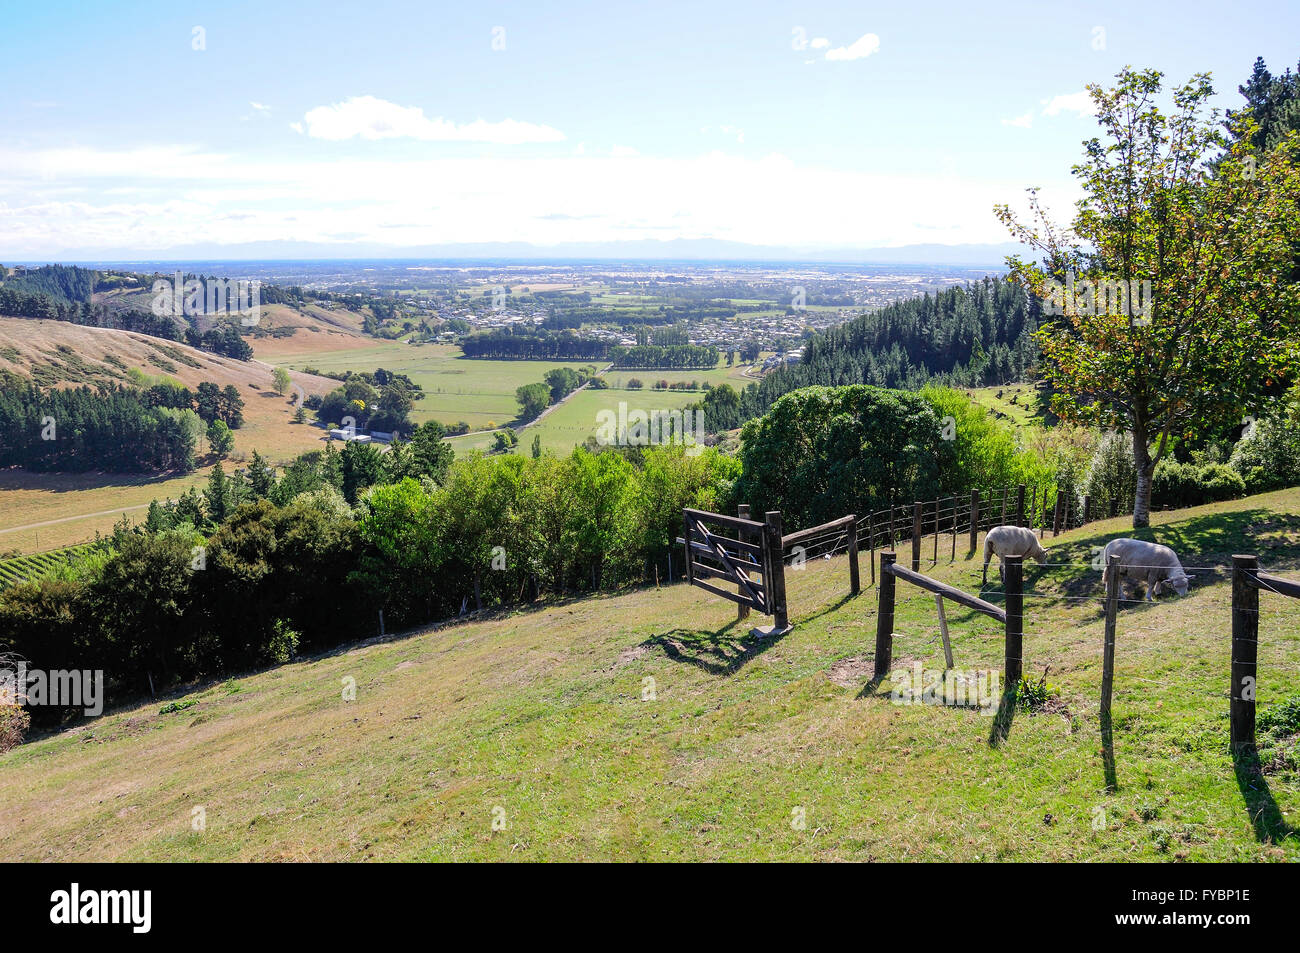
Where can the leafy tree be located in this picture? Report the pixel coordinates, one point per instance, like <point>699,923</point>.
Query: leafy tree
<point>1214,239</point>
<point>220,439</point>
<point>280,380</point>
<point>533,399</point>
<point>824,452</point>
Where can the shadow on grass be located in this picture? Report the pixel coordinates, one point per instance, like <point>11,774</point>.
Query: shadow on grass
<point>1108,752</point>
<point>720,652</point>
<point>1270,824</point>
<point>1006,713</point>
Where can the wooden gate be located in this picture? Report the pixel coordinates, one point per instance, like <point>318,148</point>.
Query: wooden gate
<point>752,549</point>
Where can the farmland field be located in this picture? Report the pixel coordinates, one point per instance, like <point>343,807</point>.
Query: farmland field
<point>480,393</point>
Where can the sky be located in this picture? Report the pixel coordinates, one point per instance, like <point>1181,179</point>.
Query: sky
<point>149,126</point>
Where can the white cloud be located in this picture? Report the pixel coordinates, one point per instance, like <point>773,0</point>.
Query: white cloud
<point>623,152</point>
<point>368,117</point>
<point>296,126</point>
<point>864,46</point>
<point>1021,122</point>
<point>260,107</point>
<point>819,43</point>
<point>174,196</point>
<point>1079,103</point>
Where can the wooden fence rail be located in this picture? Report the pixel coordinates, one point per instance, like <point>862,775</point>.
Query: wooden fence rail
<point>1012,617</point>
<point>945,519</point>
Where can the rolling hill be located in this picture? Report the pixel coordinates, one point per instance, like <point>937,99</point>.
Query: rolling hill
<point>44,510</point>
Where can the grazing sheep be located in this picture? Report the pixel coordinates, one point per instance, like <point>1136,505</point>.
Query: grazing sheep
<point>1157,565</point>
<point>1010,541</point>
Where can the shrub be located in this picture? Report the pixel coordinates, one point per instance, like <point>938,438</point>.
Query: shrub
<point>1185,484</point>
<point>1112,476</point>
<point>1032,695</point>
<point>14,722</point>
<point>1269,458</point>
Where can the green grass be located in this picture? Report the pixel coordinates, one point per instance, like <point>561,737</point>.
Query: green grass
<point>576,419</point>
<point>456,388</point>
<point>546,717</point>
<point>1023,413</point>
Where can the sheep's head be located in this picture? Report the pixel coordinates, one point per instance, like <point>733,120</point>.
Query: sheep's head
<point>1177,583</point>
<point>1040,555</point>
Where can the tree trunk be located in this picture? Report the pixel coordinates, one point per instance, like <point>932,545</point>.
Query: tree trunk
<point>1145,468</point>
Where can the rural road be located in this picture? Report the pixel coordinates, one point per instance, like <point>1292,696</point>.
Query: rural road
<point>79,516</point>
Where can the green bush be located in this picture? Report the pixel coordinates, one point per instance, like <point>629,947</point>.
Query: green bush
<point>1185,484</point>
<point>1032,695</point>
<point>1269,458</point>
<point>1112,477</point>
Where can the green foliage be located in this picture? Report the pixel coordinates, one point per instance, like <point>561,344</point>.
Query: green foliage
<point>1210,226</point>
<point>361,465</point>
<point>1112,475</point>
<point>280,380</point>
<point>172,708</point>
<point>1032,695</point>
<point>986,451</point>
<point>962,337</point>
<point>824,452</point>
<point>117,430</point>
<point>533,399</point>
<point>1186,484</point>
<point>1268,457</point>
<point>220,440</point>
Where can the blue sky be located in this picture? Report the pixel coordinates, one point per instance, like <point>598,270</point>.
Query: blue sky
<point>142,125</point>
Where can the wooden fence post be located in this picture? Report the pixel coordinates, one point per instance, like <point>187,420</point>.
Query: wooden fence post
<point>953,555</point>
<point>871,541</point>
<point>1020,505</point>
<point>1245,643</point>
<point>885,616</point>
<point>1005,491</point>
<point>686,535</point>
<point>1114,507</point>
<point>742,611</point>
<point>776,585</point>
<point>1087,509</point>
<point>916,536</point>
<point>974,519</point>
<point>1108,668</point>
<point>943,631</point>
<point>1058,513</point>
<point>937,508</point>
<point>1013,663</point>
<point>855,582</point>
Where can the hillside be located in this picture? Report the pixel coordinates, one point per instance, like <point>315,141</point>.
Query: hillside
<point>50,509</point>
<point>547,718</point>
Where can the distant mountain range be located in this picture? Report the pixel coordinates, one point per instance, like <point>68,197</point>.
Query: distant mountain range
<point>680,249</point>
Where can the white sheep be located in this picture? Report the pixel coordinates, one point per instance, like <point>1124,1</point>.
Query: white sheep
<point>1010,541</point>
<point>1157,565</point>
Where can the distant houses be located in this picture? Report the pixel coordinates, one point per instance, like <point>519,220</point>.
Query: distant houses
<point>777,360</point>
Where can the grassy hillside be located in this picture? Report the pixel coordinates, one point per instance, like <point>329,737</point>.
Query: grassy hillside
<point>44,510</point>
<point>545,719</point>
